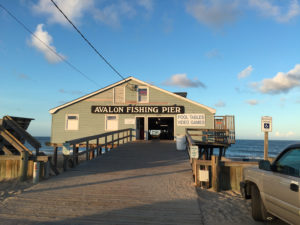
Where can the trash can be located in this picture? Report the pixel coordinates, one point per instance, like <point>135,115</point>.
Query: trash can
<point>180,142</point>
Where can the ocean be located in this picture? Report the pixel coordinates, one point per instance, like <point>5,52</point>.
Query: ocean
<point>249,149</point>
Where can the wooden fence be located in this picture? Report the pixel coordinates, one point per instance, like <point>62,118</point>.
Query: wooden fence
<point>21,166</point>
<point>94,146</point>
<point>222,174</point>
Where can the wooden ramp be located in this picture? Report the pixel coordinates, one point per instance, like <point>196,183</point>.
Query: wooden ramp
<point>136,183</point>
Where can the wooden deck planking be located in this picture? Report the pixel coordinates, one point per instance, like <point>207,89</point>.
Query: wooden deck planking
<point>136,183</point>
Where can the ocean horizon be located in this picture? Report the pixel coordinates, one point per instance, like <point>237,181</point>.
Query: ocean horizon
<point>243,148</point>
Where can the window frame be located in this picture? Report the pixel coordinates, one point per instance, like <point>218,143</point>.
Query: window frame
<point>105,121</point>
<point>275,164</point>
<point>66,121</point>
<point>148,94</point>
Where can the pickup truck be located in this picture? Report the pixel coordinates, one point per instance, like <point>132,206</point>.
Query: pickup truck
<point>274,187</point>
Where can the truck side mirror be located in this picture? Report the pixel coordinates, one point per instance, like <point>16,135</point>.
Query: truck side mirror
<point>264,165</point>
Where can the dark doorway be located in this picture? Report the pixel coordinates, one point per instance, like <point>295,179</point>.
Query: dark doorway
<point>140,128</point>
<point>161,128</point>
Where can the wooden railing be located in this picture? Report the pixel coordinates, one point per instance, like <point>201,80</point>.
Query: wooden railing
<point>9,138</point>
<point>209,136</point>
<point>9,124</point>
<point>22,133</point>
<point>94,144</point>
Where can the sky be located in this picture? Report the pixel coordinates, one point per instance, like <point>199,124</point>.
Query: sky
<point>240,57</point>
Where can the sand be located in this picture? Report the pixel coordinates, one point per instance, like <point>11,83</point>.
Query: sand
<point>227,208</point>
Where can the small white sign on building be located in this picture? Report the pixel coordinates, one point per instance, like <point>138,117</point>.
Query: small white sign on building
<point>191,120</point>
<point>129,121</point>
<point>194,152</point>
<point>266,124</point>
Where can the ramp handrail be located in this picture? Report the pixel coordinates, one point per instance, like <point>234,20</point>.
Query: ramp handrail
<point>8,121</point>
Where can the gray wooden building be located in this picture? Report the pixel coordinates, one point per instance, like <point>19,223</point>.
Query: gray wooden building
<point>131,103</point>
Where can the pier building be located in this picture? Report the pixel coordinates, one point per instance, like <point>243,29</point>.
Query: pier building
<point>154,113</point>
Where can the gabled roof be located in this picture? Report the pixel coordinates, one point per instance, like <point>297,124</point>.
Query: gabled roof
<point>54,110</point>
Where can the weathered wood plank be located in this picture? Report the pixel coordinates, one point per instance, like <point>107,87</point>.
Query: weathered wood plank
<point>13,141</point>
<point>152,186</point>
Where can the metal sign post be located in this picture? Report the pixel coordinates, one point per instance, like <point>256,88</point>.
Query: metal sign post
<point>266,127</point>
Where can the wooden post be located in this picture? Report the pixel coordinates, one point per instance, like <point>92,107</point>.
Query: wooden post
<point>105,144</point>
<point>55,157</point>
<point>91,152</point>
<point>74,155</point>
<point>130,135</point>
<point>65,162</point>
<point>194,165</point>
<point>97,147</point>
<point>127,136</point>
<point>220,152</point>
<point>112,141</point>
<point>266,146</point>
<point>87,151</point>
<point>215,167</point>
<point>123,137</point>
<point>23,166</point>
<point>118,143</point>
<point>46,169</point>
<point>76,159</point>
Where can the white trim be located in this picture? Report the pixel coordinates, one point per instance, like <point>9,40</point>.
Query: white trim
<point>137,94</point>
<point>139,81</point>
<point>66,121</point>
<point>105,123</point>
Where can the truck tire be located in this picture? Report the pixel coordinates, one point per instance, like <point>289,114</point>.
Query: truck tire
<point>259,212</point>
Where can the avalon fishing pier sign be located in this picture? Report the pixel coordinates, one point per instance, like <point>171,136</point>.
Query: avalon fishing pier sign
<point>138,109</point>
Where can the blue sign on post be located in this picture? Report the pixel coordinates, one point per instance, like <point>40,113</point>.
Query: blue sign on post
<point>266,124</point>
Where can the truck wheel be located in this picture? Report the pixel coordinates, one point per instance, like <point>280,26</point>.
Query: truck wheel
<point>259,211</point>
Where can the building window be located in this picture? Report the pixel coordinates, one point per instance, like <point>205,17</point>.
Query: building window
<point>143,94</point>
<point>72,122</point>
<point>111,122</point>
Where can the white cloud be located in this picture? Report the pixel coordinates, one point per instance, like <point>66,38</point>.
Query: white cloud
<point>73,9</point>
<point>112,14</point>
<point>46,38</point>
<point>215,13</point>
<point>252,102</point>
<point>280,83</point>
<point>269,9</point>
<point>288,134</point>
<point>214,53</point>
<point>181,80</point>
<point>147,4</point>
<point>246,72</point>
<point>220,104</point>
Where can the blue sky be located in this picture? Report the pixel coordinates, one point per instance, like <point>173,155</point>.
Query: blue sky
<point>240,57</point>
